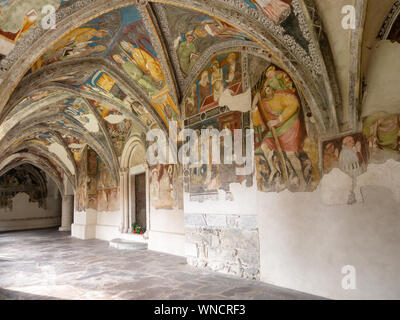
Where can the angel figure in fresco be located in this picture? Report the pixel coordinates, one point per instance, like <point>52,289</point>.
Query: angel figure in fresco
<point>276,10</point>
<point>279,112</point>
<point>144,81</point>
<point>145,61</point>
<point>187,53</point>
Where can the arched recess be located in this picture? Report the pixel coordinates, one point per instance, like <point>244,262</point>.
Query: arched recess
<point>134,148</point>
<point>34,148</point>
<point>40,124</point>
<point>262,30</point>
<point>250,49</point>
<point>18,159</point>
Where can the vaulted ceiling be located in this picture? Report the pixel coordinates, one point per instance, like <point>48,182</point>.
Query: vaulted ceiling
<point>111,69</point>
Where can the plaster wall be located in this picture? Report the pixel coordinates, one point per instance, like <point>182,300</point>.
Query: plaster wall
<point>305,240</point>
<point>382,73</point>
<point>166,232</point>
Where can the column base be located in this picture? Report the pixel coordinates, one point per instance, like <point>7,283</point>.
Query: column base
<point>64,229</point>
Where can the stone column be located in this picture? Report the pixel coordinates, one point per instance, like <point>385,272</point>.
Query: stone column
<point>124,199</point>
<point>67,213</point>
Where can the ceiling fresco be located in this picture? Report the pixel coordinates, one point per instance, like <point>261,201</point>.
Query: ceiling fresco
<point>112,70</point>
<point>17,17</point>
<point>193,33</point>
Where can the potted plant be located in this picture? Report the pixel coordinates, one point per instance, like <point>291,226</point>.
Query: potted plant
<point>136,228</point>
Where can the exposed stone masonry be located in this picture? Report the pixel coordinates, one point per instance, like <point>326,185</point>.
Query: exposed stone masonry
<point>224,243</point>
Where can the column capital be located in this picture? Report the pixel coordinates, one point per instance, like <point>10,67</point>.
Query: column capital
<point>123,171</point>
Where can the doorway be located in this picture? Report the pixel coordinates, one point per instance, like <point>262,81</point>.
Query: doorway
<point>140,200</point>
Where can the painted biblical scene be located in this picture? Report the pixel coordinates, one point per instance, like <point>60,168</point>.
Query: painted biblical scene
<point>282,14</point>
<point>194,32</point>
<point>107,190</point>
<point>207,180</point>
<point>81,197</point>
<point>382,132</point>
<point>92,39</point>
<point>219,84</point>
<point>166,187</point>
<point>92,179</point>
<point>23,179</point>
<point>348,153</point>
<point>134,53</point>
<point>102,83</point>
<point>17,17</point>
<point>286,158</point>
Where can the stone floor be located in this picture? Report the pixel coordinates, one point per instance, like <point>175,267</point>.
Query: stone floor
<point>47,264</point>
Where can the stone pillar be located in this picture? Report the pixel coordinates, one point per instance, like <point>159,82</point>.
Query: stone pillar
<point>124,199</point>
<point>67,213</point>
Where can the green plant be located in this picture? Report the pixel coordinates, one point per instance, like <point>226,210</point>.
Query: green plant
<point>136,228</point>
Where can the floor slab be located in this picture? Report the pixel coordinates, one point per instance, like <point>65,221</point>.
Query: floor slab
<point>48,264</point>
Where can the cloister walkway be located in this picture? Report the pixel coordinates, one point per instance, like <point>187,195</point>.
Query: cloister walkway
<point>47,264</point>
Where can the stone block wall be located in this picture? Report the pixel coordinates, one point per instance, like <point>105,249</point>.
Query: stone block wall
<point>223,243</point>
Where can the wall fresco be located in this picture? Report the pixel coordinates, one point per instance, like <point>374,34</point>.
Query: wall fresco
<point>285,157</point>
<point>166,187</point>
<point>349,153</point>
<point>219,84</point>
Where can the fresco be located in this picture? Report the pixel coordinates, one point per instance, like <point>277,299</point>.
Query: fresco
<point>16,18</point>
<point>194,32</point>
<point>166,188</point>
<point>22,180</point>
<point>81,194</point>
<point>348,153</point>
<point>285,157</point>
<point>134,53</point>
<point>75,145</point>
<point>120,36</point>
<point>116,123</point>
<point>206,180</point>
<point>107,191</point>
<point>92,39</point>
<point>78,111</point>
<point>92,179</point>
<point>219,84</point>
<point>26,102</point>
<point>275,10</point>
<point>382,132</point>
<point>101,82</point>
